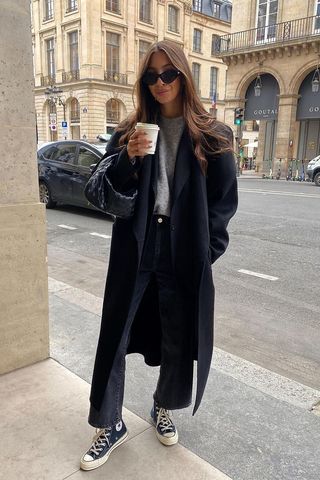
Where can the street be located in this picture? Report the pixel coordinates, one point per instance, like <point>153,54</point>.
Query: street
<point>266,323</point>
<point>275,232</point>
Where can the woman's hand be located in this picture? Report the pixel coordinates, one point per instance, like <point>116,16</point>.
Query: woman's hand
<point>138,144</point>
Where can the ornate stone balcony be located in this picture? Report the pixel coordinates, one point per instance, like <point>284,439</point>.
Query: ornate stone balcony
<point>115,77</point>
<point>48,80</point>
<point>291,36</point>
<point>70,76</point>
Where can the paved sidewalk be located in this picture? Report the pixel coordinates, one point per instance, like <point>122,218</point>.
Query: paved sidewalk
<point>44,432</point>
<point>253,424</point>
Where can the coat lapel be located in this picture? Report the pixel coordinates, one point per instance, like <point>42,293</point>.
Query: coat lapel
<point>155,168</point>
<point>140,217</point>
<point>183,165</point>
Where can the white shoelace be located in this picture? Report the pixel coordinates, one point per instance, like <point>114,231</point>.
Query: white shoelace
<point>100,442</point>
<point>164,421</point>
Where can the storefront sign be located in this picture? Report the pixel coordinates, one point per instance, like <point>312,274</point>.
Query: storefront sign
<point>266,113</point>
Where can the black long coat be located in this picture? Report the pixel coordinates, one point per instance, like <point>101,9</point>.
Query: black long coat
<point>201,209</point>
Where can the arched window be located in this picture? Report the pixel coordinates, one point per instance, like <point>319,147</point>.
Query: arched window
<point>75,118</point>
<point>113,111</point>
<point>75,111</point>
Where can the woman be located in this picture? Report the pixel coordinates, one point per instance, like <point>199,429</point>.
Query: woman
<point>159,291</point>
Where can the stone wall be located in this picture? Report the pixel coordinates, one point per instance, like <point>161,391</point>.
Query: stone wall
<point>23,279</point>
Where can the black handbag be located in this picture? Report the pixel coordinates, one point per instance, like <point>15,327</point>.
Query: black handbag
<point>101,194</point>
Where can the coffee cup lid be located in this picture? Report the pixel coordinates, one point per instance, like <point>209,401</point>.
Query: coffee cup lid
<point>148,125</point>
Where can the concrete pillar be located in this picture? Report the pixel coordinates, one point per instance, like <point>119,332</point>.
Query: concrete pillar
<point>286,129</point>
<point>261,166</point>
<point>23,280</point>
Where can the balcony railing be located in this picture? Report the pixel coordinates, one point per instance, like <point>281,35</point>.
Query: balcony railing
<point>48,80</point>
<point>281,33</point>
<point>70,76</point>
<point>115,77</point>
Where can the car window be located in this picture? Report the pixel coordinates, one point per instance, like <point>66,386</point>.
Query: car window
<point>86,157</point>
<point>101,146</point>
<point>48,152</point>
<point>65,154</point>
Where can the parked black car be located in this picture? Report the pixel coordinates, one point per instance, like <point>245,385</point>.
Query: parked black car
<point>64,169</point>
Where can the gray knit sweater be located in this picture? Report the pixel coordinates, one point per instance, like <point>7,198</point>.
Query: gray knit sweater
<point>169,137</point>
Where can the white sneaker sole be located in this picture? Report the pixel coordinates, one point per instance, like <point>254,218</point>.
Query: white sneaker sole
<point>100,461</point>
<point>167,441</point>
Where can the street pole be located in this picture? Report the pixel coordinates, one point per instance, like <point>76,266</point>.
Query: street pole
<point>238,148</point>
<point>53,94</point>
<point>64,112</point>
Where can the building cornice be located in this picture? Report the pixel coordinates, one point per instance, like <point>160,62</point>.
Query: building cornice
<point>268,52</point>
<point>88,82</point>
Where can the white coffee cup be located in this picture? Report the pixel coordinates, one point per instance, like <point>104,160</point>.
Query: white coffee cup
<point>151,130</point>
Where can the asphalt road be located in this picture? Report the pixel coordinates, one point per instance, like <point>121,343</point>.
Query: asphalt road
<point>255,420</point>
<point>276,232</point>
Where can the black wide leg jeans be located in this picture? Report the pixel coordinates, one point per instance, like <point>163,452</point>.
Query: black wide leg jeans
<point>174,387</point>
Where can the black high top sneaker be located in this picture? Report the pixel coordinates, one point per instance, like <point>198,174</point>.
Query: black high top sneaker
<point>103,443</point>
<point>165,429</point>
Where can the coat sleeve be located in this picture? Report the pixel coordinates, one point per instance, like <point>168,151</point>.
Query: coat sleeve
<point>123,174</point>
<point>222,197</point>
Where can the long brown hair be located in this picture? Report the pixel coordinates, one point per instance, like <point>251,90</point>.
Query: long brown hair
<point>208,135</point>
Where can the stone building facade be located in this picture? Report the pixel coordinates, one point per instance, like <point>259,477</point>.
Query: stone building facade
<point>275,45</point>
<point>90,50</point>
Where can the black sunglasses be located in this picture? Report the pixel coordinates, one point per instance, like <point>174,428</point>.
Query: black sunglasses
<point>168,76</point>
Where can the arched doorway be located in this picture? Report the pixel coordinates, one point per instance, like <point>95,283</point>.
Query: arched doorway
<point>308,113</point>
<point>262,107</point>
<point>115,113</point>
<point>75,119</point>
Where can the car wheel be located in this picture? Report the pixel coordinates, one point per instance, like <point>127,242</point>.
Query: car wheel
<point>45,195</point>
<point>317,179</point>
